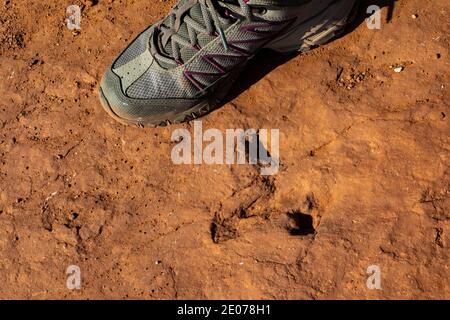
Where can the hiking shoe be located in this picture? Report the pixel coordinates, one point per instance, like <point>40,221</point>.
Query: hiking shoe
<point>184,65</point>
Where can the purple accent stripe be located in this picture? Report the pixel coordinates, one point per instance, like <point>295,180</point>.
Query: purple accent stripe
<point>241,53</point>
<point>188,75</point>
<point>196,47</point>
<point>214,63</point>
<point>251,40</point>
<point>222,55</point>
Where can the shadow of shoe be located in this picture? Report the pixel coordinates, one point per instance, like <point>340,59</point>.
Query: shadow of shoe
<point>266,60</point>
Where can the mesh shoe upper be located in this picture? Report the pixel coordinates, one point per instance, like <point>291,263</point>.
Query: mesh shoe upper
<point>155,66</point>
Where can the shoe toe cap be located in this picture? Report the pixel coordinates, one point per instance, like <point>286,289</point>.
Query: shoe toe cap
<point>130,110</point>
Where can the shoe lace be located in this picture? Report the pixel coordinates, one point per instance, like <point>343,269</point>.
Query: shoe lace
<point>213,25</point>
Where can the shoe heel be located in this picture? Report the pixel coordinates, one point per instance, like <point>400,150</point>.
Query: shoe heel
<point>318,30</point>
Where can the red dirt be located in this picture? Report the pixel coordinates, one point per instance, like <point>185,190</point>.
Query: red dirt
<point>364,161</point>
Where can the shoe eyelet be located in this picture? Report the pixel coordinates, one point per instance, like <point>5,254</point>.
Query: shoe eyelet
<point>259,10</point>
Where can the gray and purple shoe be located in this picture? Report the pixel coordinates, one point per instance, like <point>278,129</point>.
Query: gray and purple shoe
<point>184,65</point>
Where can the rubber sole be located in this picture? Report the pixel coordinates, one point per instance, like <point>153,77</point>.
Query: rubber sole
<point>189,115</point>
<point>314,37</point>
<point>199,110</point>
